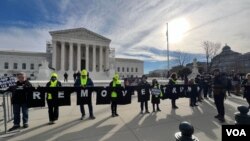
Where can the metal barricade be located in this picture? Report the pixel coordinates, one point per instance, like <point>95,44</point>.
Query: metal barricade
<point>6,112</point>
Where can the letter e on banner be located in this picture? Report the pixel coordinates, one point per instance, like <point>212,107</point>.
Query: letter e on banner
<point>142,91</point>
<point>61,94</point>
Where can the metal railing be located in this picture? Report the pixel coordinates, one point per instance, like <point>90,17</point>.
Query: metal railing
<point>6,110</point>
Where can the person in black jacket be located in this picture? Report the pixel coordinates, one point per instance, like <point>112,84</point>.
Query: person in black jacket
<point>219,89</point>
<point>145,102</point>
<point>113,84</point>
<point>173,81</point>
<point>19,101</point>
<point>246,83</point>
<point>53,108</point>
<point>85,81</point>
<point>155,98</point>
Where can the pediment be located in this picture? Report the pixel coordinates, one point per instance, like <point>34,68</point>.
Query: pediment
<point>79,33</point>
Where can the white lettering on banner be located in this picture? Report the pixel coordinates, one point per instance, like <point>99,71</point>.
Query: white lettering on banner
<point>189,89</point>
<point>181,89</point>
<point>198,88</point>
<point>36,95</point>
<point>164,89</point>
<point>142,91</point>
<point>61,94</point>
<point>156,92</point>
<point>124,93</point>
<point>236,132</point>
<point>84,93</point>
<point>104,93</point>
<point>174,90</point>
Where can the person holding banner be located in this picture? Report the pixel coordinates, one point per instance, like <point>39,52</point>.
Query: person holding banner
<point>115,83</point>
<point>144,102</point>
<point>156,95</point>
<point>85,81</point>
<point>53,108</point>
<point>19,101</point>
<point>173,81</point>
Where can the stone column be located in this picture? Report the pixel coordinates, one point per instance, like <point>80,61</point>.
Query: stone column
<point>62,56</point>
<point>54,54</point>
<point>70,56</point>
<point>94,58</point>
<point>79,57</point>
<point>107,58</point>
<point>87,57</point>
<point>101,59</point>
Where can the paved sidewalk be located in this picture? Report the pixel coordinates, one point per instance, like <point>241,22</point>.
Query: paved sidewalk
<point>130,125</point>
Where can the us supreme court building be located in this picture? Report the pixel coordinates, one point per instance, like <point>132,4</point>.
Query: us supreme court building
<point>70,51</point>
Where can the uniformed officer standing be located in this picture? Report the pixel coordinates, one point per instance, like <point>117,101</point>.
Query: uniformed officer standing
<point>53,108</point>
<point>85,81</point>
<point>115,83</point>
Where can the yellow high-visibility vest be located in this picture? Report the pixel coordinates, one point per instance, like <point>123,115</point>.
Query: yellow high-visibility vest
<point>114,94</point>
<point>52,84</point>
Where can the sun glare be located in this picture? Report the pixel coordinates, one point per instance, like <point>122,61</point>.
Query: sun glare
<point>177,29</point>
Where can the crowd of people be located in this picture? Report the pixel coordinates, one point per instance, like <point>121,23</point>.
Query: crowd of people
<point>216,85</point>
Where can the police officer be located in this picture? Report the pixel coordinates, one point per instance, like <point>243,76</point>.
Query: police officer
<point>219,90</point>
<point>173,81</point>
<point>115,83</point>
<point>53,108</point>
<point>85,81</point>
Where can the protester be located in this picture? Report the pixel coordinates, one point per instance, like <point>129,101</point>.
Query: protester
<point>194,95</point>
<point>115,83</point>
<point>246,83</point>
<point>19,101</point>
<point>144,102</point>
<point>155,98</point>
<point>53,108</point>
<point>172,82</point>
<point>85,81</point>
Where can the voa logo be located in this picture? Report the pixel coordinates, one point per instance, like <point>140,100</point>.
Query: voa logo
<point>236,132</point>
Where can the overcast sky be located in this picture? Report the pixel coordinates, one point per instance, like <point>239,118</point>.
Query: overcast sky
<point>137,28</point>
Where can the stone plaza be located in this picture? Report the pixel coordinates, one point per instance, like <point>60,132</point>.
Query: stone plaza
<point>130,125</point>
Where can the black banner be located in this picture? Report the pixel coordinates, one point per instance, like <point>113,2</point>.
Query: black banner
<point>61,95</point>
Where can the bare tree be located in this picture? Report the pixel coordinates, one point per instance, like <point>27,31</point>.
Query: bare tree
<point>211,50</point>
<point>182,58</point>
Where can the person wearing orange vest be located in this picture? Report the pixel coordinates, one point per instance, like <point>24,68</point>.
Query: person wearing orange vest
<point>115,83</point>
<point>85,81</point>
<point>53,108</point>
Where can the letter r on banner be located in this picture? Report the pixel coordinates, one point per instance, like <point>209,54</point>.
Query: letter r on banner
<point>36,95</point>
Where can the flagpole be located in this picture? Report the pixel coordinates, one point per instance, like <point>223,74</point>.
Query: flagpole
<point>167,47</point>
